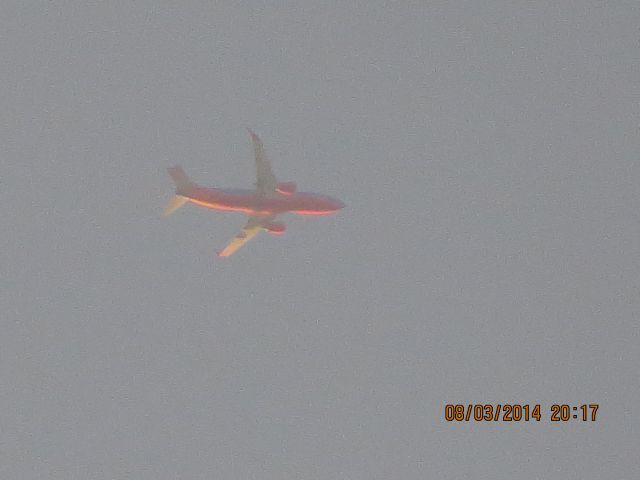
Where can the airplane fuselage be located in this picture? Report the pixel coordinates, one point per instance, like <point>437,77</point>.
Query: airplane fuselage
<point>251,203</point>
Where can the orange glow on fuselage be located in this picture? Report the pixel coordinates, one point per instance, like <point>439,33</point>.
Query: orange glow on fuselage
<point>248,202</point>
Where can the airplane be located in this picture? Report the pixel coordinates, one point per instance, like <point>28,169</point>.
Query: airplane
<point>269,199</point>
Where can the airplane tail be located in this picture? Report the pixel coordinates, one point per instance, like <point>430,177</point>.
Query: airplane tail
<point>182,183</point>
<point>179,178</point>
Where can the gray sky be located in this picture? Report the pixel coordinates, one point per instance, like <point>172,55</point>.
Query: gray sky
<point>488,155</point>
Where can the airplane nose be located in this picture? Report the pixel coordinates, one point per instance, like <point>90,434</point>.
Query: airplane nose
<point>339,204</point>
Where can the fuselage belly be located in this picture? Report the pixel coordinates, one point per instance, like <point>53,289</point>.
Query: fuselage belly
<point>250,203</point>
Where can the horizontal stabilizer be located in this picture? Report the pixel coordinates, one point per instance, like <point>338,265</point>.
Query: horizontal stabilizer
<point>174,204</point>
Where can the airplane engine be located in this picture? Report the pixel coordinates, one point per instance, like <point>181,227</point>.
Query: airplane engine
<point>274,228</point>
<point>286,188</point>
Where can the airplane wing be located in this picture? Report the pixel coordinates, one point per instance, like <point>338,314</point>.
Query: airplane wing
<point>247,233</point>
<point>250,230</point>
<point>266,183</point>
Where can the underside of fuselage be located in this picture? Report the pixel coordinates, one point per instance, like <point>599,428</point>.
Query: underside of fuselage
<point>250,203</point>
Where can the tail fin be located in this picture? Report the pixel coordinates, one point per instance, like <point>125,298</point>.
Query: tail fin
<point>179,178</point>
<point>182,183</point>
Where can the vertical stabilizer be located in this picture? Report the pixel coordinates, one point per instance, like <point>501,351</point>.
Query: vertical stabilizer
<point>179,178</point>
<point>182,184</point>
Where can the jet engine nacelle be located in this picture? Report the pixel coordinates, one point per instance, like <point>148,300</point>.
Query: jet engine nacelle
<point>274,228</point>
<point>286,188</point>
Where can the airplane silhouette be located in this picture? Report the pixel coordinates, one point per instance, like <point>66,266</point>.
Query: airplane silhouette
<point>262,205</point>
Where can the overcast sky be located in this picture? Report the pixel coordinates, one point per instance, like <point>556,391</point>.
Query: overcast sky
<point>489,252</point>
